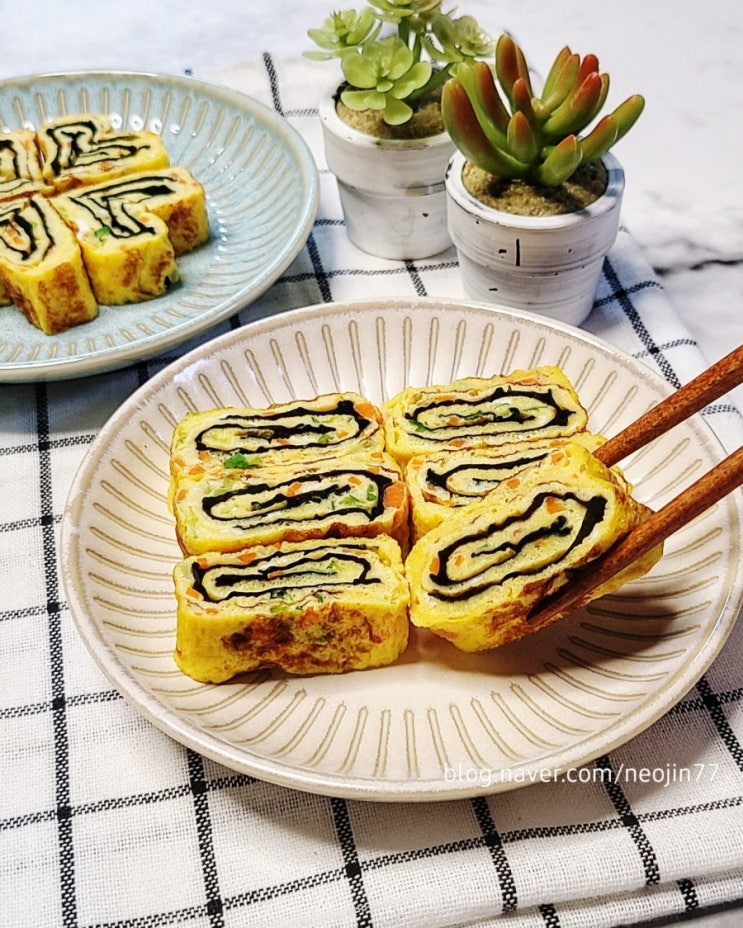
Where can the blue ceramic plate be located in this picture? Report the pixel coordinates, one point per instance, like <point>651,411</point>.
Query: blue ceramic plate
<point>262,192</point>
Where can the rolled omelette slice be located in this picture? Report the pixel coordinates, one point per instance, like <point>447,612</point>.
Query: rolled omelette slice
<point>172,194</point>
<point>20,174</point>
<point>477,412</point>
<point>440,482</point>
<point>20,165</point>
<point>321,606</point>
<point>126,248</point>
<point>340,497</point>
<point>179,199</point>
<point>84,148</point>
<point>282,433</point>
<point>476,577</point>
<point>41,267</point>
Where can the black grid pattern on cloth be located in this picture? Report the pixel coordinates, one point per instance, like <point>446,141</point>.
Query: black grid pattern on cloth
<point>222,849</point>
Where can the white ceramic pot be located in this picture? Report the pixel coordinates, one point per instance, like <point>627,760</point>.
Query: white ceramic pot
<point>547,264</point>
<point>392,191</point>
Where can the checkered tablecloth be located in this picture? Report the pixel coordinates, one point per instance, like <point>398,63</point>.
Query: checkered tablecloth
<point>105,821</point>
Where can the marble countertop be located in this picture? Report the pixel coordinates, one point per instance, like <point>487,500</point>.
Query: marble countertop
<point>684,196</point>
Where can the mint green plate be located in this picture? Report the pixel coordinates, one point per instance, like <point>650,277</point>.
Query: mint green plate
<point>262,190</point>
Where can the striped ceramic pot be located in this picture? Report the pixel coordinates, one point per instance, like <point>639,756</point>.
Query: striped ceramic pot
<point>392,191</point>
<point>546,264</point>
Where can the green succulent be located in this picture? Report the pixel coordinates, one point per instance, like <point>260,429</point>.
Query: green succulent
<point>391,72</point>
<point>342,32</point>
<point>396,11</point>
<point>450,41</point>
<point>497,122</point>
<point>382,77</point>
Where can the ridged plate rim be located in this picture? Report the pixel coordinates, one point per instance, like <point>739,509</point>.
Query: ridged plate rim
<point>417,717</point>
<point>221,277</point>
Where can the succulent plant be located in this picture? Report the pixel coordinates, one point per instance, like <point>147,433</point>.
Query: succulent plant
<point>392,72</point>
<point>382,77</point>
<point>497,122</point>
<point>342,32</point>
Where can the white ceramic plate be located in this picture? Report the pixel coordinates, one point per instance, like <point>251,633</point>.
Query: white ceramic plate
<point>439,724</point>
<point>262,192</point>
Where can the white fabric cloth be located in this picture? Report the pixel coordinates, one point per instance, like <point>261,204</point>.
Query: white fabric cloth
<point>106,821</point>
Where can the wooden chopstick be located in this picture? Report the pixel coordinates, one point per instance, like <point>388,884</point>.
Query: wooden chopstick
<point>693,396</point>
<point>691,502</point>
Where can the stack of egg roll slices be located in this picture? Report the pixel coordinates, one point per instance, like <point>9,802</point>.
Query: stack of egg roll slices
<point>115,216</point>
<point>507,501</point>
<point>315,530</point>
<point>294,521</point>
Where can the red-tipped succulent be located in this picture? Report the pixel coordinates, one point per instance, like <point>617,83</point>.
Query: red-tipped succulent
<point>497,122</point>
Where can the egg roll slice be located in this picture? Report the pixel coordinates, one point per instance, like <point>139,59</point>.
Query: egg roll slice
<point>126,249</point>
<point>320,606</point>
<point>20,166</point>
<point>477,412</point>
<point>440,482</point>
<point>179,199</point>
<point>172,194</point>
<point>282,433</point>
<point>476,577</point>
<point>41,267</point>
<point>84,148</point>
<point>339,497</point>
<point>20,175</point>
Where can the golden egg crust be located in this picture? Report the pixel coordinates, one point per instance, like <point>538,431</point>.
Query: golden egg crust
<point>319,606</point>
<point>475,578</point>
<point>478,412</point>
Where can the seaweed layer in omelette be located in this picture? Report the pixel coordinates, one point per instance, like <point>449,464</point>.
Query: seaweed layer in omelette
<point>506,508</point>
<point>476,577</point>
<point>319,606</point>
<point>482,412</point>
<point>343,497</point>
<point>292,433</point>
<point>115,208</point>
